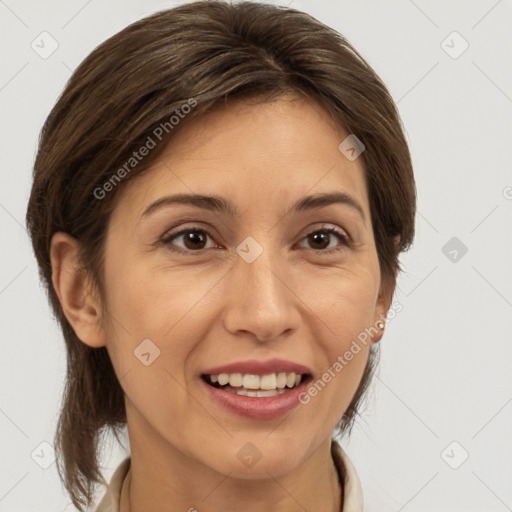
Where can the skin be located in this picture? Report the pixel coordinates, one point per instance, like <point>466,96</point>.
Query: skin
<point>292,302</point>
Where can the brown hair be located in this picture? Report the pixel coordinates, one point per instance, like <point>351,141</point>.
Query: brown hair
<point>200,54</point>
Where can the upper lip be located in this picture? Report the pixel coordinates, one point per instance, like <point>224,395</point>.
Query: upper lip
<point>257,367</point>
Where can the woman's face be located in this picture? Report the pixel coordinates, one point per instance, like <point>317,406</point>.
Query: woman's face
<point>260,288</point>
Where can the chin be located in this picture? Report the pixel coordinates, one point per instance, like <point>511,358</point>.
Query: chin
<point>257,457</point>
<point>269,465</point>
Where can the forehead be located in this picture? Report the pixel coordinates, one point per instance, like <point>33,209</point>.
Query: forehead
<point>257,154</point>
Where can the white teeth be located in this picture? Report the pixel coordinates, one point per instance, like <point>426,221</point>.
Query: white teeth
<point>258,394</point>
<point>270,382</point>
<point>236,380</point>
<point>251,381</point>
<point>281,380</point>
<point>223,379</point>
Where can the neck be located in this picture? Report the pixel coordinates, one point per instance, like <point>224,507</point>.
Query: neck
<point>162,475</point>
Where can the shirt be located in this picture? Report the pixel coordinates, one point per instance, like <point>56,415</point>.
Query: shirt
<point>352,490</point>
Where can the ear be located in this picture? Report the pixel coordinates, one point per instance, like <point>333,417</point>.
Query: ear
<point>74,291</point>
<point>384,301</point>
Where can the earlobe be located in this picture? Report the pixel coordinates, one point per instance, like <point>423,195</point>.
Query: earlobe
<point>381,312</point>
<point>379,326</point>
<point>73,289</point>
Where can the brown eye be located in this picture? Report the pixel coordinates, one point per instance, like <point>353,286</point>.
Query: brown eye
<point>193,240</point>
<point>321,239</point>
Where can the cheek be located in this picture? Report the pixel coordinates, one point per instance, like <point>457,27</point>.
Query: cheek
<point>347,301</point>
<point>152,302</point>
<point>149,342</point>
<point>347,312</point>
<point>156,313</point>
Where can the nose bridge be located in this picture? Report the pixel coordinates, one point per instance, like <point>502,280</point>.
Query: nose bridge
<point>259,273</point>
<point>261,300</point>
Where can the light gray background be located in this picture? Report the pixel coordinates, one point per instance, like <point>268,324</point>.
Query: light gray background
<point>445,374</point>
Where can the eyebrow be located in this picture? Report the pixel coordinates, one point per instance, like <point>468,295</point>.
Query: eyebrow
<point>222,205</point>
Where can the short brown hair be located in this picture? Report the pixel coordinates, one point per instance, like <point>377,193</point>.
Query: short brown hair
<point>135,81</point>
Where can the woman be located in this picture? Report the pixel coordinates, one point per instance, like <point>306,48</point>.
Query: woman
<point>220,197</point>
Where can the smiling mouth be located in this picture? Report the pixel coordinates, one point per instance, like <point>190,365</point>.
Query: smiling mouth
<point>256,386</point>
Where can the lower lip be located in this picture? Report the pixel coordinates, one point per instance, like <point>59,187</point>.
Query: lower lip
<point>264,408</point>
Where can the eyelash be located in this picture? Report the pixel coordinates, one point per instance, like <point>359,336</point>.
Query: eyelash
<point>341,235</point>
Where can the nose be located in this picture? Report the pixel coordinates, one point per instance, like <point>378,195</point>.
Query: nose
<point>261,299</point>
